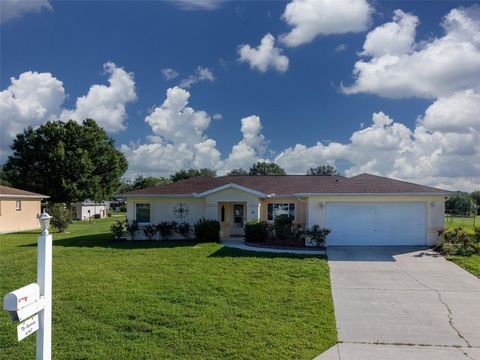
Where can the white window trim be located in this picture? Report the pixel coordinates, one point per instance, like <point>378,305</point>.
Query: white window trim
<point>282,202</point>
<point>135,211</point>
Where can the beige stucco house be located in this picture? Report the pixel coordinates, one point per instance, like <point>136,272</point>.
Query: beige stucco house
<point>360,210</point>
<point>19,209</point>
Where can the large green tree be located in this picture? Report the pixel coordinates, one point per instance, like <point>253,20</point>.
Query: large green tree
<point>189,173</point>
<point>325,170</point>
<point>66,160</point>
<point>238,171</point>
<point>463,204</point>
<point>141,182</point>
<point>266,168</point>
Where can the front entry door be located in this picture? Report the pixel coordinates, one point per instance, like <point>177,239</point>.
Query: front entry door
<point>237,223</point>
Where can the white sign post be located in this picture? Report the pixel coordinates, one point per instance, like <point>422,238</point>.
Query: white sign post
<point>32,304</point>
<point>44,280</point>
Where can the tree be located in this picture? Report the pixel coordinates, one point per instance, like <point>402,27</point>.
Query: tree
<point>265,168</point>
<point>141,182</point>
<point>476,196</point>
<point>62,217</point>
<point>189,173</point>
<point>68,161</point>
<point>238,171</point>
<point>2,177</point>
<point>325,170</point>
<point>462,204</point>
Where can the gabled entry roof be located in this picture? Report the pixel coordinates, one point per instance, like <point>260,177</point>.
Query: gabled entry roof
<point>288,185</point>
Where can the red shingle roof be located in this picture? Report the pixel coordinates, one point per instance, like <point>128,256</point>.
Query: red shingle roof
<point>12,192</point>
<point>293,184</point>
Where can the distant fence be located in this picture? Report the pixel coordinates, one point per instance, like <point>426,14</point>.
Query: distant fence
<point>462,220</point>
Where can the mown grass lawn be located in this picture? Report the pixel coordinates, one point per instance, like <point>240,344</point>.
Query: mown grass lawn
<point>147,300</point>
<point>469,263</point>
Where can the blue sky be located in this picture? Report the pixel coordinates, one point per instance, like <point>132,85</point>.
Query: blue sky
<point>299,103</point>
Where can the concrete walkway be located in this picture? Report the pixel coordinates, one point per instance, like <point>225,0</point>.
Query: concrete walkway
<point>402,303</point>
<point>238,243</point>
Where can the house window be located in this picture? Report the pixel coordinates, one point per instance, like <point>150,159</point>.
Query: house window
<point>18,205</point>
<point>277,209</point>
<point>142,212</point>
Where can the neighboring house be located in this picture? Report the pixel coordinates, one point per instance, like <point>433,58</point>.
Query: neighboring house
<point>19,209</point>
<point>86,210</point>
<point>361,210</point>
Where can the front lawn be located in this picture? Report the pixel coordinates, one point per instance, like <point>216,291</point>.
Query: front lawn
<point>148,300</point>
<point>469,263</point>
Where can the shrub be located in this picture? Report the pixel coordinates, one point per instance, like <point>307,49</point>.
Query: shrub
<point>457,241</point>
<point>207,230</point>
<point>165,229</point>
<point>256,232</point>
<point>317,233</point>
<point>61,216</point>
<point>118,229</point>
<point>184,230</point>
<point>132,228</point>
<point>150,231</point>
<point>283,227</point>
<point>123,208</point>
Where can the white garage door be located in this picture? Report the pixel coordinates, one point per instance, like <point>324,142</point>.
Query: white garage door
<point>376,223</point>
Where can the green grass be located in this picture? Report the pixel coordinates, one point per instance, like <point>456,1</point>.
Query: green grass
<point>467,223</point>
<point>469,263</point>
<point>147,300</point>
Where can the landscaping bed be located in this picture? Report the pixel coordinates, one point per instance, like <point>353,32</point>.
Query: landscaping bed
<point>170,300</point>
<point>284,246</point>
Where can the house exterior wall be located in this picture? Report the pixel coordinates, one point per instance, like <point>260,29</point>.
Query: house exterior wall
<point>300,208</point>
<point>161,209</point>
<point>252,208</point>
<point>12,220</point>
<point>434,216</point>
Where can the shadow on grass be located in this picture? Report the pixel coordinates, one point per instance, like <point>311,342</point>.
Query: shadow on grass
<point>235,253</point>
<point>105,240</point>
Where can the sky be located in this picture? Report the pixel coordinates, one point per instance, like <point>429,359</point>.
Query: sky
<point>383,87</point>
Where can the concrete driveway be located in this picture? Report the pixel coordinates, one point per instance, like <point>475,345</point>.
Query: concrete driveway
<point>402,303</point>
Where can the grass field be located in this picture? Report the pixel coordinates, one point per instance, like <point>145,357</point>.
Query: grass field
<point>147,300</point>
<point>467,223</point>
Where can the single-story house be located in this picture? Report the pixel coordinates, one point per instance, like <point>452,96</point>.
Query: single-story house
<point>86,210</point>
<point>19,209</point>
<point>360,210</point>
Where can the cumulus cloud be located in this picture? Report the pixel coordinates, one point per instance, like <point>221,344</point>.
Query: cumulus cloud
<point>432,154</point>
<point>217,116</point>
<point>106,104</point>
<point>12,9</point>
<point>30,100</point>
<point>169,74</point>
<point>178,140</point>
<point>459,113</point>
<point>201,74</point>
<point>341,47</point>
<point>310,18</point>
<point>400,67</point>
<point>34,98</point>
<point>394,38</point>
<point>251,148</point>
<point>264,56</point>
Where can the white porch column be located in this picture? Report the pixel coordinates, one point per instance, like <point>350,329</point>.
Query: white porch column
<point>212,211</point>
<point>253,211</point>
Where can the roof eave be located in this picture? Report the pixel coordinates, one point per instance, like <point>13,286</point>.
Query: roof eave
<point>24,196</point>
<point>375,194</point>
